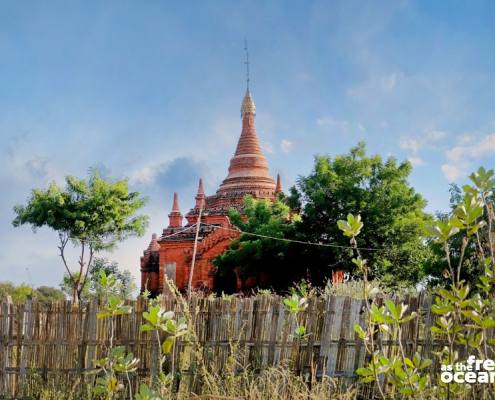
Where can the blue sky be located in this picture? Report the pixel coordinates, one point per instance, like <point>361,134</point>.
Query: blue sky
<point>152,90</point>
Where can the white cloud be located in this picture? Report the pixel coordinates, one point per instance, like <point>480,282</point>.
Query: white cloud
<point>286,145</point>
<point>434,135</point>
<point>376,85</point>
<point>464,139</point>
<point>25,166</point>
<point>428,139</point>
<point>416,161</point>
<point>461,157</point>
<point>143,176</point>
<point>453,171</point>
<point>340,125</point>
<point>484,147</point>
<point>408,143</point>
<point>331,121</point>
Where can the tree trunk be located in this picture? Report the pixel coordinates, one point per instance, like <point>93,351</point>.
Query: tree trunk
<point>75,295</point>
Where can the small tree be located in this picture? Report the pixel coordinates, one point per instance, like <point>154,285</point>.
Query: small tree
<point>92,288</point>
<point>18,294</point>
<point>47,294</point>
<point>94,214</point>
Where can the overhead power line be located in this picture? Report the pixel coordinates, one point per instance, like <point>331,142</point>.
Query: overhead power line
<point>294,240</point>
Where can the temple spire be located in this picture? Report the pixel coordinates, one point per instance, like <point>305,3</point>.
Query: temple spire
<point>247,64</point>
<point>200,196</point>
<point>278,188</point>
<point>175,217</point>
<point>154,245</point>
<point>248,169</point>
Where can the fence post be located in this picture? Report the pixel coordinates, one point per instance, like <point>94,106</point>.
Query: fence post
<point>4,342</point>
<point>91,342</point>
<point>24,335</point>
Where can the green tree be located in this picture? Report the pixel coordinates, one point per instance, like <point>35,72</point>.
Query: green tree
<point>94,214</point>
<point>378,190</point>
<point>92,288</point>
<point>257,255</point>
<point>126,284</point>
<point>23,292</point>
<point>68,283</point>
<point>18,294</point>
<point>47,294</point>
<point>6,289</point>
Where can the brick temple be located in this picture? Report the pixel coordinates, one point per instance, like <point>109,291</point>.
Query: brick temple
<point>171,254</point>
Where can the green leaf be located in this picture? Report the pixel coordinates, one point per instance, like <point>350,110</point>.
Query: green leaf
<point>359,330</point>
<point>408,362</point>
<point>364,371</point>
<point>147,328</point>
<point>167,345</point>
<point>394,311</point>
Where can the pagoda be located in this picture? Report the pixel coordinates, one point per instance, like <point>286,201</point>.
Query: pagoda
<point>171,254</point>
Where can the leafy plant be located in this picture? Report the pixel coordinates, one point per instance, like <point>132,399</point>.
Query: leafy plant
<point>159,320</point>
<point>465,317</point>
<point>117,361</point>
<point>94,214</point>
<point>402,373</point>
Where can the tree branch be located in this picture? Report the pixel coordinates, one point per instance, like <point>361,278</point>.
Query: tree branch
<point>64,238</point>
<point>91,253</point>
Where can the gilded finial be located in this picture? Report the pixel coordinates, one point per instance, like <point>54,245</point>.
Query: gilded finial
<point>248,106</point>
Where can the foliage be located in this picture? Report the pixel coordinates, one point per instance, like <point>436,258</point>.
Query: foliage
<point>464,319</point>
<point>352,183</point>
<point>295,304</point>
<point>94,214</point>
<point>68,286</point>
<point>159,321</point>
<point>126,284</point>
<point>47,294</point>
<point>117,360</point>
<point>23,292</point>
<point>91,288</point>
<point>254,254</point>
<point>472,269</point>
<point>379,192</point>
<point>18,294</point>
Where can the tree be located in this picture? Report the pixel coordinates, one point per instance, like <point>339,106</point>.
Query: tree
<point>68,284</point>
<point>18,294</point>
<point>378,190</point>
<point>93,214</point>
<point>261,257</point>
<point>23,292</point>
<point>92,288</point>
<point>47,294</point>
<point>351,183</point>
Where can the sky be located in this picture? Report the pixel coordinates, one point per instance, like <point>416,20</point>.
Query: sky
<point>151,91</point>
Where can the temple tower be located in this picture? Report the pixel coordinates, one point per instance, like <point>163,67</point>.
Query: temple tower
<point>248,169</point>
<point>175,217</point>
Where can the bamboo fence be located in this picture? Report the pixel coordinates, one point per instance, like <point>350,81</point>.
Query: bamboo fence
<point>60,341</point>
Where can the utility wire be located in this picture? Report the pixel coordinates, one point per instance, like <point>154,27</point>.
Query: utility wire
<point>294,240</point>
